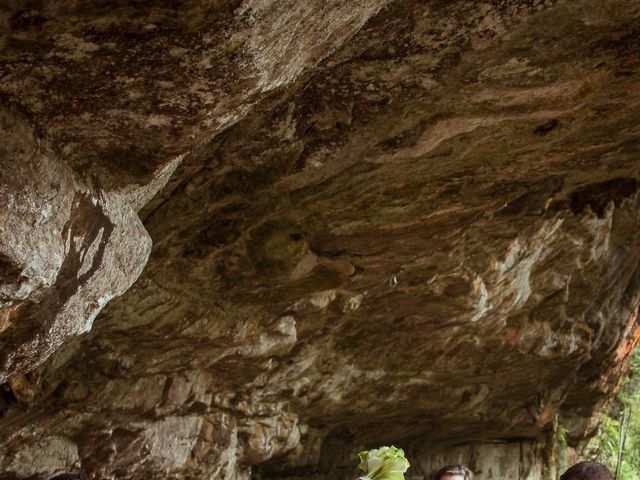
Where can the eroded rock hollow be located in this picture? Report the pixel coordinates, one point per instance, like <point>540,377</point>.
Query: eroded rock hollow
<point>245,239</point>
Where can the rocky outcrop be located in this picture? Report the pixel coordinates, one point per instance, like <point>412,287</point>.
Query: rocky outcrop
<point>372,222</point>
<point>67,249</point>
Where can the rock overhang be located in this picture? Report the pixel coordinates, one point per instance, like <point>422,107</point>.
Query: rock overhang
<point>424,229</point>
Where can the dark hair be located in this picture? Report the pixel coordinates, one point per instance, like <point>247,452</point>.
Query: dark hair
<point>70,476</point>
<point>587,471</point>
<point>454,470</point>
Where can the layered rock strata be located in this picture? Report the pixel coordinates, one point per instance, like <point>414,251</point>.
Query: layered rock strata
<point>349,223</point>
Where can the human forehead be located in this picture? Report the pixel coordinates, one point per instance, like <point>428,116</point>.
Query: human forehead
<point>453,476</point>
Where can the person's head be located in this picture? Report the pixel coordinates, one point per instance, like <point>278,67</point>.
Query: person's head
<point>70,476</point>
<point>587,471</point>
<point>454,472</point>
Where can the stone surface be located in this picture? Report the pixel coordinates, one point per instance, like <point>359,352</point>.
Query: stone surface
<point>395,222</point>
<point>67,249</point>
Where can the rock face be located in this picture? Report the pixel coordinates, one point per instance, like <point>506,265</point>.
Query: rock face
<point>373,221</point>
<point>66,250</point>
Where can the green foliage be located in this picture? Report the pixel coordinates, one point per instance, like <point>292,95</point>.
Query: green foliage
<point>562,436</point>
<point>562,443</point>
<point>605,447</point>
<point>384,463</point>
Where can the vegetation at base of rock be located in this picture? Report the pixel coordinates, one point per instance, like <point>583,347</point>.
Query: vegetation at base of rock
<point>620,427</point>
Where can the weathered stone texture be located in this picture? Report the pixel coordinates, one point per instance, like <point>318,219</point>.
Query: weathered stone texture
<point>66,249</point>
<point>396,221</point>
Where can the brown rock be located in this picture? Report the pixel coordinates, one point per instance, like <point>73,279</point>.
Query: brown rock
<point>387,222</point>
